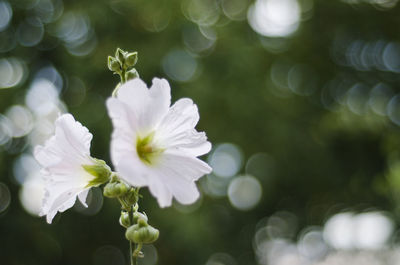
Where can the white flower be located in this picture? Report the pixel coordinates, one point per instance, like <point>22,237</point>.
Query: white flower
<point>156,145</point>
<point>67,167</point>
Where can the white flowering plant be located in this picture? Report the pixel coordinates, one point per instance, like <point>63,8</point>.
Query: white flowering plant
<point>153,145</point>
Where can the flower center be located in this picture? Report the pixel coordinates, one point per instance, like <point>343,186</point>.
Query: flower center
<point>146,149</point>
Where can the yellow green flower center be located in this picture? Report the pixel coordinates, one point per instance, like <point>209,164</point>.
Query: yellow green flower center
<point>146,149</point>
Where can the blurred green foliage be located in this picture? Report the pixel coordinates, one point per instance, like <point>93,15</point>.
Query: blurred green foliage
<point>328,149</point>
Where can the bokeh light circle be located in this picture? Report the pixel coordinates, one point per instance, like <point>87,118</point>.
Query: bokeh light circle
<point>179,65</point>
<point>311,243</point>
<point>393,109</point>
<point>150,255</point>
<point>369,230</point>
<point>42,97</point>
<point>221,259</point>
<point>261,165</point>
<point>24,165</point>
<point>274,18</point>
<point>31,194</point>
<point>5,14</point>
<point>30,32</point>
<point>12,72</point>
<point>244,192</point>
<point>21,119</point>
<point>226,160</point>
<point>5,130</point>
<point>107,255</point>
<point>94,201</point>
<point>5,197</point>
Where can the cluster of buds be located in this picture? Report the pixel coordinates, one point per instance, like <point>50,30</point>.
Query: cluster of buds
<point>138,231</point>
<point>122,64</point>
<point>142,232</point>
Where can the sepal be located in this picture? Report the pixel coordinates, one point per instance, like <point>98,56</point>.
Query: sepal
<point>99,170</point>
<point>120,56</point>
<point>124,219</point>
<point>113,64</point>
<point>131,74</point>
<point>131,59</point>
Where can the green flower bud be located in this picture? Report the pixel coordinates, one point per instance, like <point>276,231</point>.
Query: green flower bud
<point>108,190</point>
<point>124,219</point>
<point>139,216</point>
<point>113,64</point>
<point>115,189</point>
<point>131,74</point>
<point>142,233</point>
<point>131,58</point>
<point>120,55</point>
<point>131,196</point>
<point>123,188</point>
<point>142,222</point>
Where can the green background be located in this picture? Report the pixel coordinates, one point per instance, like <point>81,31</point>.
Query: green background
<point>328,150</point>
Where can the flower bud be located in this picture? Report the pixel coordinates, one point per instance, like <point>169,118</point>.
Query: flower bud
<point>139,216</point>
<point>108,190</point>
<point>131,59</point>
<point>113,64</point>
<point>131,74</point>
<point>120,55</point>
<point>122,188</point>
<point>131,196</point>
<point>142,233</point>
<point>124,219</point>
<point>115,189</point>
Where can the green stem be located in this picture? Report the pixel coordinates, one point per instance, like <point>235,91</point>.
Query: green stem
<point>133,258</point>
<point>137,252</point>
<point>132,246</point>
<point>123,77</point>
<point>123,72</point>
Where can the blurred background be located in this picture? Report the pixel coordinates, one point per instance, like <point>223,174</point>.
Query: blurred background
<point>300,98</point>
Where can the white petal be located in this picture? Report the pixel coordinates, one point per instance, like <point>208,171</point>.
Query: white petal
<point>184,192</point>
<point>176,174</point>
<point>73,134</point>
<point>188,167</point>
<point>123,138</point>
<point>64,201</point>
<point>198,149</point>
<point>133,171</point>
<point>44,156</point>
<point>70,144</point>
<point>135,94</point>
<point>57,199</point>
<point>176,130</point>
<point>190,142</point>
<point>148,105</point>
<point>160,191</point>
<point>122,145</point>
<point>177,180</point>
<point>160,93</point>
<point>82,196</point>
<point>122,116</point>
<point>50,216</point>
<point>182,116</point>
